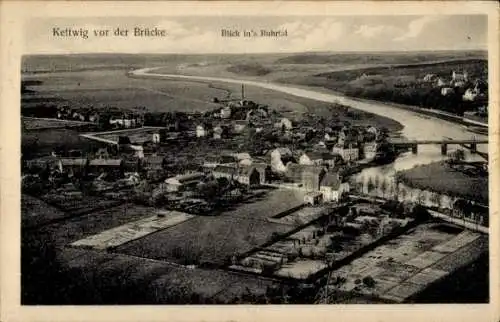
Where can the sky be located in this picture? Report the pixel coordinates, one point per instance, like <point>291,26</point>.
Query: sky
<point>305,33</point>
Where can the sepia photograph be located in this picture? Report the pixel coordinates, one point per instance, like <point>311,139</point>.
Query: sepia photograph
<point>241,159</point>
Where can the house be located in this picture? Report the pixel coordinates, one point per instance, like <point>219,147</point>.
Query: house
<point>294,172</point>
<point>440,82</point>
<point>369,150</point>
<point>72,166</point>
<point>311,158</point>
<point>125,122</point>
<point>455,76</point>
<point>225,112</point>
<point>331,187</point>
<point>311,177</point>
<point>93,117</point>
<point>200,131</point>
<point>263,169</point>
<point>470,94</point>
<point>458,84</point>
<point>348,152</point>
<point>227,171</point>
<point>239,156</point>
<point>313,198</point>
<point>248,175</point>
<point>280,157</point>
<point>239,126</point>
<point>447,91</point>
<point>218,132</point>
<point>102,153</point>
<point>430,77</point>
<point>184,181</point>
<point>47,162</point>
<point>319,158</point>
<point>109,166</point>
<point>349,135</point>
<point>156,138</point>
<point>329,137</point>
<point>373,131</point>
<point>284,123</point>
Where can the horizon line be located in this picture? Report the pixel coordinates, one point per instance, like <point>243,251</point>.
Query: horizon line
<point>485,50</point>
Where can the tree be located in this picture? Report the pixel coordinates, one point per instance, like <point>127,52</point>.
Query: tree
<point>371,185</point>
<point>384,186</point>
<point>368,281</point>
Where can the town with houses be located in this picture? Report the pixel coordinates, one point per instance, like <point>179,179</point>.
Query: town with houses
<point>314,227</point>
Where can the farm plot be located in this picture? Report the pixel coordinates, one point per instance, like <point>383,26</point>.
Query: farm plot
<point>396,273</point>
<point>274,202</point>
<point>204,239</point>
<point>306,251</point>
<point>77,228</point>
<point>133,230</point>
<point>76,204</point>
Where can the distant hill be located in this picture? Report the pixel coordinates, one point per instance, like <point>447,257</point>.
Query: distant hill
<point>253,69</point>
<point>378,57</point>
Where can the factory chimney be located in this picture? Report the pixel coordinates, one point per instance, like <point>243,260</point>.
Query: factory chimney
<point>242,91</point>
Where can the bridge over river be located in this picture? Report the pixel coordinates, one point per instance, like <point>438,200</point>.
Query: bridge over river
<point>470,144</point>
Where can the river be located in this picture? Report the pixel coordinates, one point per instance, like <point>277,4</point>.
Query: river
<point>416,126</point>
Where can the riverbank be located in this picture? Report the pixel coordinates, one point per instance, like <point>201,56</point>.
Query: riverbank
<point>442,178</point>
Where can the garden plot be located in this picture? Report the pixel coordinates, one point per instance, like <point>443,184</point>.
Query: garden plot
<point>407,264</point>
<point>131,231</point>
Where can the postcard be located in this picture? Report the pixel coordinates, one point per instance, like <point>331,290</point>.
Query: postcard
<point>249,161</point>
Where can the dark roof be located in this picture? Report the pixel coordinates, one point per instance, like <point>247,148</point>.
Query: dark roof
<point>246,170</point>
<point>188,177</point>
<point>225,169</point>
<point>331,180</point>
<point>313,169</point>
<point>315,155</point>
<point>212,159</point>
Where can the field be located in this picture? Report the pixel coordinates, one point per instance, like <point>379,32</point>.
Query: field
<point>122,279</point>
<point>440,177</point>
<point>215,239</point>
<point>133,230</point>
<point>118,278</point>
<point>43,142</point>
<point>30,123</point>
